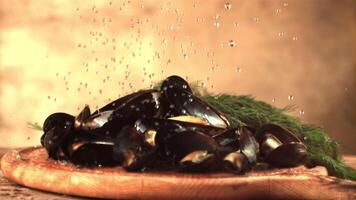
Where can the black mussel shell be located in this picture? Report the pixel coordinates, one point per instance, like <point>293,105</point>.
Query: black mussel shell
<point>175,81</point>
<point>53,140</point>
<point>165,128</point>
<point>120,101</point>
<point>228,138</point>
<point>280,147</point>
<point>170,82</point>
<point>198,161</point>
<point>236,162</point>
<point>131,151</point>
<point>60,119</point>
<point>248,145</point>
<point>82,117</point>
<point>245,157</point>
<point>191,150</point>
<point>89,150</point>
<point>181,102</point>
<point>144,104</point>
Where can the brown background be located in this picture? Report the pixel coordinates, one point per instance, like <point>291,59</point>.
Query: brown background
<point>60,55</point>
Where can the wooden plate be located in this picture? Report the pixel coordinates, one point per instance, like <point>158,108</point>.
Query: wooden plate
<point>31,167</point>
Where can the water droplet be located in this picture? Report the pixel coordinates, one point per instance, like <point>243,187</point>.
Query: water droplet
<point>290,97</point>
<point>217,24</point>
<point>238,69</point>
<point>227,6</point>
<point>301,112</point>
<point>256,19</point>
<point>285,4</point>
<point>294,38</point>
<point>280,34</point>
<point>278,11</point>
<point>274,100</point>
<point>231,43</point>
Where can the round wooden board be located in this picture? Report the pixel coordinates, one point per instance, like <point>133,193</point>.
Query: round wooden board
<point>31,167</point>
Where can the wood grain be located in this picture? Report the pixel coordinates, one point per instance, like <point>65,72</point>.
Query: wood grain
<point>30,167</point>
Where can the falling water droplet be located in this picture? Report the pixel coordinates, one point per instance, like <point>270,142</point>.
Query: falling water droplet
<point>290,97</point>
<point>301,112</point>
<point>227,6</point>
<point>238,69</point>
<point>217,24</point>
<point>231,43</point>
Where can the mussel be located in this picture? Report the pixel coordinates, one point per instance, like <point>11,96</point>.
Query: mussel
<point>179,100</point>
<point>63,120</point>
<point>124,111</point>
<point>171,127</point>
<point>89,150</point>
<point>245,157</point>
<point>280,147</point>
<point>131,151</point>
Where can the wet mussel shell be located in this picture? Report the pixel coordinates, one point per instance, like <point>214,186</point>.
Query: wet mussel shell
<point>245,157</point>
<point>63,120</point>
<point>121,101</point>
<point>191,150</point>
<point>81,118</point>
<point>181,102</point>
<point>236,162</point>
<point>144,104</point>
<point>248,145</point>
<point>89,150</point>
<point>167,127</point>
<point>177,82</point>
<point>280,147</point>
<point>53,140</point>
<point>131,151</point>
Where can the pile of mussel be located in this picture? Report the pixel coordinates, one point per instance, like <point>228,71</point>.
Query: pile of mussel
<point>166,129</point>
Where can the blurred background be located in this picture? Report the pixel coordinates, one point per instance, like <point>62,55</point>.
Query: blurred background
<point>60,55</point>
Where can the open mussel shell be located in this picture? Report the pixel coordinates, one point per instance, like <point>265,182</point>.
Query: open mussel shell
<point>181,102</point>
<point>144,104</point>
<point>89,150</point>
<point>59,119</point>
<point>131,151</point>
<point>280,147</point>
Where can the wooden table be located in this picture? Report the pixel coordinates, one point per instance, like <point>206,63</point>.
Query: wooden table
<point>10,190</point>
